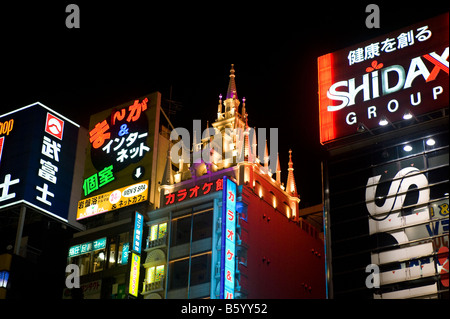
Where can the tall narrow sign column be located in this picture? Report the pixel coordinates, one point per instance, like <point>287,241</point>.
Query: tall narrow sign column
<point>228,251</point>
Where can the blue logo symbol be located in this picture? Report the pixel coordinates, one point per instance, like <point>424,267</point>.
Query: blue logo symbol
<point>123,130</point>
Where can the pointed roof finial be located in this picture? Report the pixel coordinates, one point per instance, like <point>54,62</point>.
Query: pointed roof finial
<point>231,93</point>
<point>291,188</point>
<point>278,171</point>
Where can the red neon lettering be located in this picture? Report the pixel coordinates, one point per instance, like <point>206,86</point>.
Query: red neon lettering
<point>194,191</point>
<point>206,188</point>
<point>230,215</point>
<point>182,193</point>
<point>136,109</point>
<point>230,234</point>
<point>170,198</point>
<point>219,184</point>
<point>98,135</point>
<point>438,65</point>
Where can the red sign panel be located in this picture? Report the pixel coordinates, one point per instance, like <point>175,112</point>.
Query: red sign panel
<point>192,192</point>
<point>54,126</point>
<point>386,78</point>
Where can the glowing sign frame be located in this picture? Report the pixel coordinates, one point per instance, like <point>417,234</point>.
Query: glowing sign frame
<point>228,240</point>
<point>133,288</point>
<point>122,197</point>
<point>385,78</point>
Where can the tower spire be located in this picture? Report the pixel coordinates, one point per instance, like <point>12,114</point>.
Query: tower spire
<point>291,189</point>
<point>278,171</point>
<point>231,93</point>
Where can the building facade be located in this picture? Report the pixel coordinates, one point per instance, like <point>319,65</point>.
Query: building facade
<point>41,162</point>
<point>199,247</point>
<point>386,185</point>
<point>125,160</point>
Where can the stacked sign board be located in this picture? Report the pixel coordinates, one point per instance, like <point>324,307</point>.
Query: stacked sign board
<point>120,156</point>
<point>37,156</point>
<point>387,203</point>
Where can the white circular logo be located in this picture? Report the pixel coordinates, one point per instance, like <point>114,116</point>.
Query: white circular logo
<point>54,126</point>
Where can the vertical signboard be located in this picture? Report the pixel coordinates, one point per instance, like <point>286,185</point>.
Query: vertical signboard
<point>228,243</point>
<point>37,157</point>
<point>137,233</point>
<point>133,288</point>
<point>392,78</point>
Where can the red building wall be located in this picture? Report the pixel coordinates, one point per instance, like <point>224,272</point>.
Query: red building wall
<point>285,259</point>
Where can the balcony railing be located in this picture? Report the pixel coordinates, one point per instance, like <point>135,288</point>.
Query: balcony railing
<point>160,242</point>
<point>154,286</point>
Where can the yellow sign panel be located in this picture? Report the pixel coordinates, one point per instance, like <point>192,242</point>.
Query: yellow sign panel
<point>134,275</point>
<point>115,199</point>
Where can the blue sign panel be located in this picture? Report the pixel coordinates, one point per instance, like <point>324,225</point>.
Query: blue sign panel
<point>228,251</point>
<point>38,148</point>
<point>137,234</point>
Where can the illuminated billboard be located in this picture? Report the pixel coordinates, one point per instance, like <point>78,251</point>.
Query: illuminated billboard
<point>390,78</point>
<point>133,288</point>
<point>120,148</point>
<point>37,157</point>
<point>112,200</point>
<point>228,243</point>
<point>187,193</point>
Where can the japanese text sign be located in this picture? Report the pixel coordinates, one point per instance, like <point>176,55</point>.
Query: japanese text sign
<point>37,157</point>
<point>87,247</point>
<point>137,233</point>
<point>228,251</point>
<point>192,192</point>
<point>403,72</point>
<point>120,145</point>
<point>133,288</point>
<point>113,200</point>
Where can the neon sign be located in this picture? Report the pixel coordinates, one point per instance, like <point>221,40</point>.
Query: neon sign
<point>193,192</point>
<point>228,243</point>
<point>404,72</point>
<point>113,200</point>
<point>120,139</point>
<point>134,274</point>
<point>137,234</point>
<point>97,180</point>
<point>37,153</point>
<point>87,247</point>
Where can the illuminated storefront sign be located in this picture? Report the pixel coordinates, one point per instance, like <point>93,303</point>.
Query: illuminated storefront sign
<point>97,180</point>
<point>134,275</point>
<point>37,156</point>
<point>137,233</point>
<point>228,251</point>
<point>87,247</point>
<point>120,148</point>
<point>193,192</point>
<point>115,199</point>
<point>391,78</point>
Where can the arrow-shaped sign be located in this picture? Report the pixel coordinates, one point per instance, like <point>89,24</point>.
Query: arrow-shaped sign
<point>138,172</point>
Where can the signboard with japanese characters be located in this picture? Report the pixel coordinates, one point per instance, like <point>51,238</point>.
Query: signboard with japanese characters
<point>391,78</point>
<point>228,241</point>
<point>186,193</point>
<point>120,149</point>
<point>118,198</point>
<point>37,157</point>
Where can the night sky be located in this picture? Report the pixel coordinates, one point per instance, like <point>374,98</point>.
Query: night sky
<point>124,51</point>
